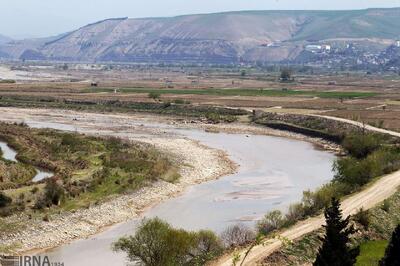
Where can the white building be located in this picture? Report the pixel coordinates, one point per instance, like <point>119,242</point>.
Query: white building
<point>326,47</point>
<point>313,48</point>
<point>316,48</point>
<point>397,43</point>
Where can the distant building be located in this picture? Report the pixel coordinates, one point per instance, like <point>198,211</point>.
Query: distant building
<point>397,43</point>
<point>314,48</point>
<point>326,47</point>
<point>317,48</point>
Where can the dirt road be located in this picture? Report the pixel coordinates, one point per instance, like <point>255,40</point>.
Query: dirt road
<point>368,198</point>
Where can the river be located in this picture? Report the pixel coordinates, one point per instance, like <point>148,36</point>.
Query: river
<point>10,155</point>
<point>273,172</point>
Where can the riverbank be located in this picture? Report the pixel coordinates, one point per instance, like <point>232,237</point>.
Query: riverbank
<point>199,163</point>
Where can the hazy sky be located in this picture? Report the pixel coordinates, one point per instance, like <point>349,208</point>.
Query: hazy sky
<point>34,18</point>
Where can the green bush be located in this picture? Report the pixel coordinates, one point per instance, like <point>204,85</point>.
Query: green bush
<point>157,243</point>
<point>271,222</point>
<point>386,205</point>
<point>53,195</point>
<point>154,95</point>
<point>361,145</point>
<point>352,171</point>
<point>357,172</point>
<point>362,217</point>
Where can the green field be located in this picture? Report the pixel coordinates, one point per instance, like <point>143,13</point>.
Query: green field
<point>243,92</point>
<point>371,252</point>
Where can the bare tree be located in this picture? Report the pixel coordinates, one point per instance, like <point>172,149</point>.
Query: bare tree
<point>237,235</point>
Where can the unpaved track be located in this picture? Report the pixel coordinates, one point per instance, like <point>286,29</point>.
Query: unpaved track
<point>368,198</point>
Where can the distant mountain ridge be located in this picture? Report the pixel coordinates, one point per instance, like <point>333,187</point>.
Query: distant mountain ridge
<point>4,39</point>
<point>267,36</point>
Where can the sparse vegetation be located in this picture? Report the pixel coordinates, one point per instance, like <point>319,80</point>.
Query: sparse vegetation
<point>10,81</point>
<point>184,110</point>
<point>86,169</point>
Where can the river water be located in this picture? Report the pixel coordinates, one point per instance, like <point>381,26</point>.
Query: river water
<point>10,154</point>
<point>273,173</point>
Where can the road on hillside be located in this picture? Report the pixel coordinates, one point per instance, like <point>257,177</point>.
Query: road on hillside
<point>368,198</point>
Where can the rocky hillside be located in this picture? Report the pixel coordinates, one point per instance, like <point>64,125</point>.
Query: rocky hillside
<point>223,37</point>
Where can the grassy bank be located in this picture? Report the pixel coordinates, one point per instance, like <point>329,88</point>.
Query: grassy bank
<point>86,169</point>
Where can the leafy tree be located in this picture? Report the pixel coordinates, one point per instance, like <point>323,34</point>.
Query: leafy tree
<point>157,243</point>
<point>286,74</point>
<point>360,145</point>
<point>334,250</point>
<point>392,253</point>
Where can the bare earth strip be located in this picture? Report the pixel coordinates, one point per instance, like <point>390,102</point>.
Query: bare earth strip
<point>385,187</point>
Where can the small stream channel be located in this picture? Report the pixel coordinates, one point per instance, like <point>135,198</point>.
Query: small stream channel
<point>10,155</point>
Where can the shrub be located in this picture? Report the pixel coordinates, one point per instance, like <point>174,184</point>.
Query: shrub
<point>207,247</point>
<point>386,205</point>
<point>157,243</point>
<point>4,200</point>
<point>271,222</point>
<point>360,145</point>
<point>362,217</point>
<point>179,101</point>
<point>53,195</point>
<point>34,190</point>
<point>286,74</point>
<point>295,213</point>
<point>213,117</point>
<point>352,171</point>
<point>154,95</point>
<point>358,172</point>
<point>237,235</point>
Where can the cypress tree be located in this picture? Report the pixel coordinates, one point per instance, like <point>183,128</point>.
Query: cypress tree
<point>334,250</point>
<point>392,253</point>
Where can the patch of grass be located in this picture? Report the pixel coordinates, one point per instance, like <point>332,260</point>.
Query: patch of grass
<point>87,169</point>
<point>371,252</point>
<point>10,227</point>
<point>9,249</point>
<point>244,92</point>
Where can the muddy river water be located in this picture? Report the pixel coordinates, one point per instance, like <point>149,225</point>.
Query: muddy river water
<point>10,155</point>
<point>273,172</point>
